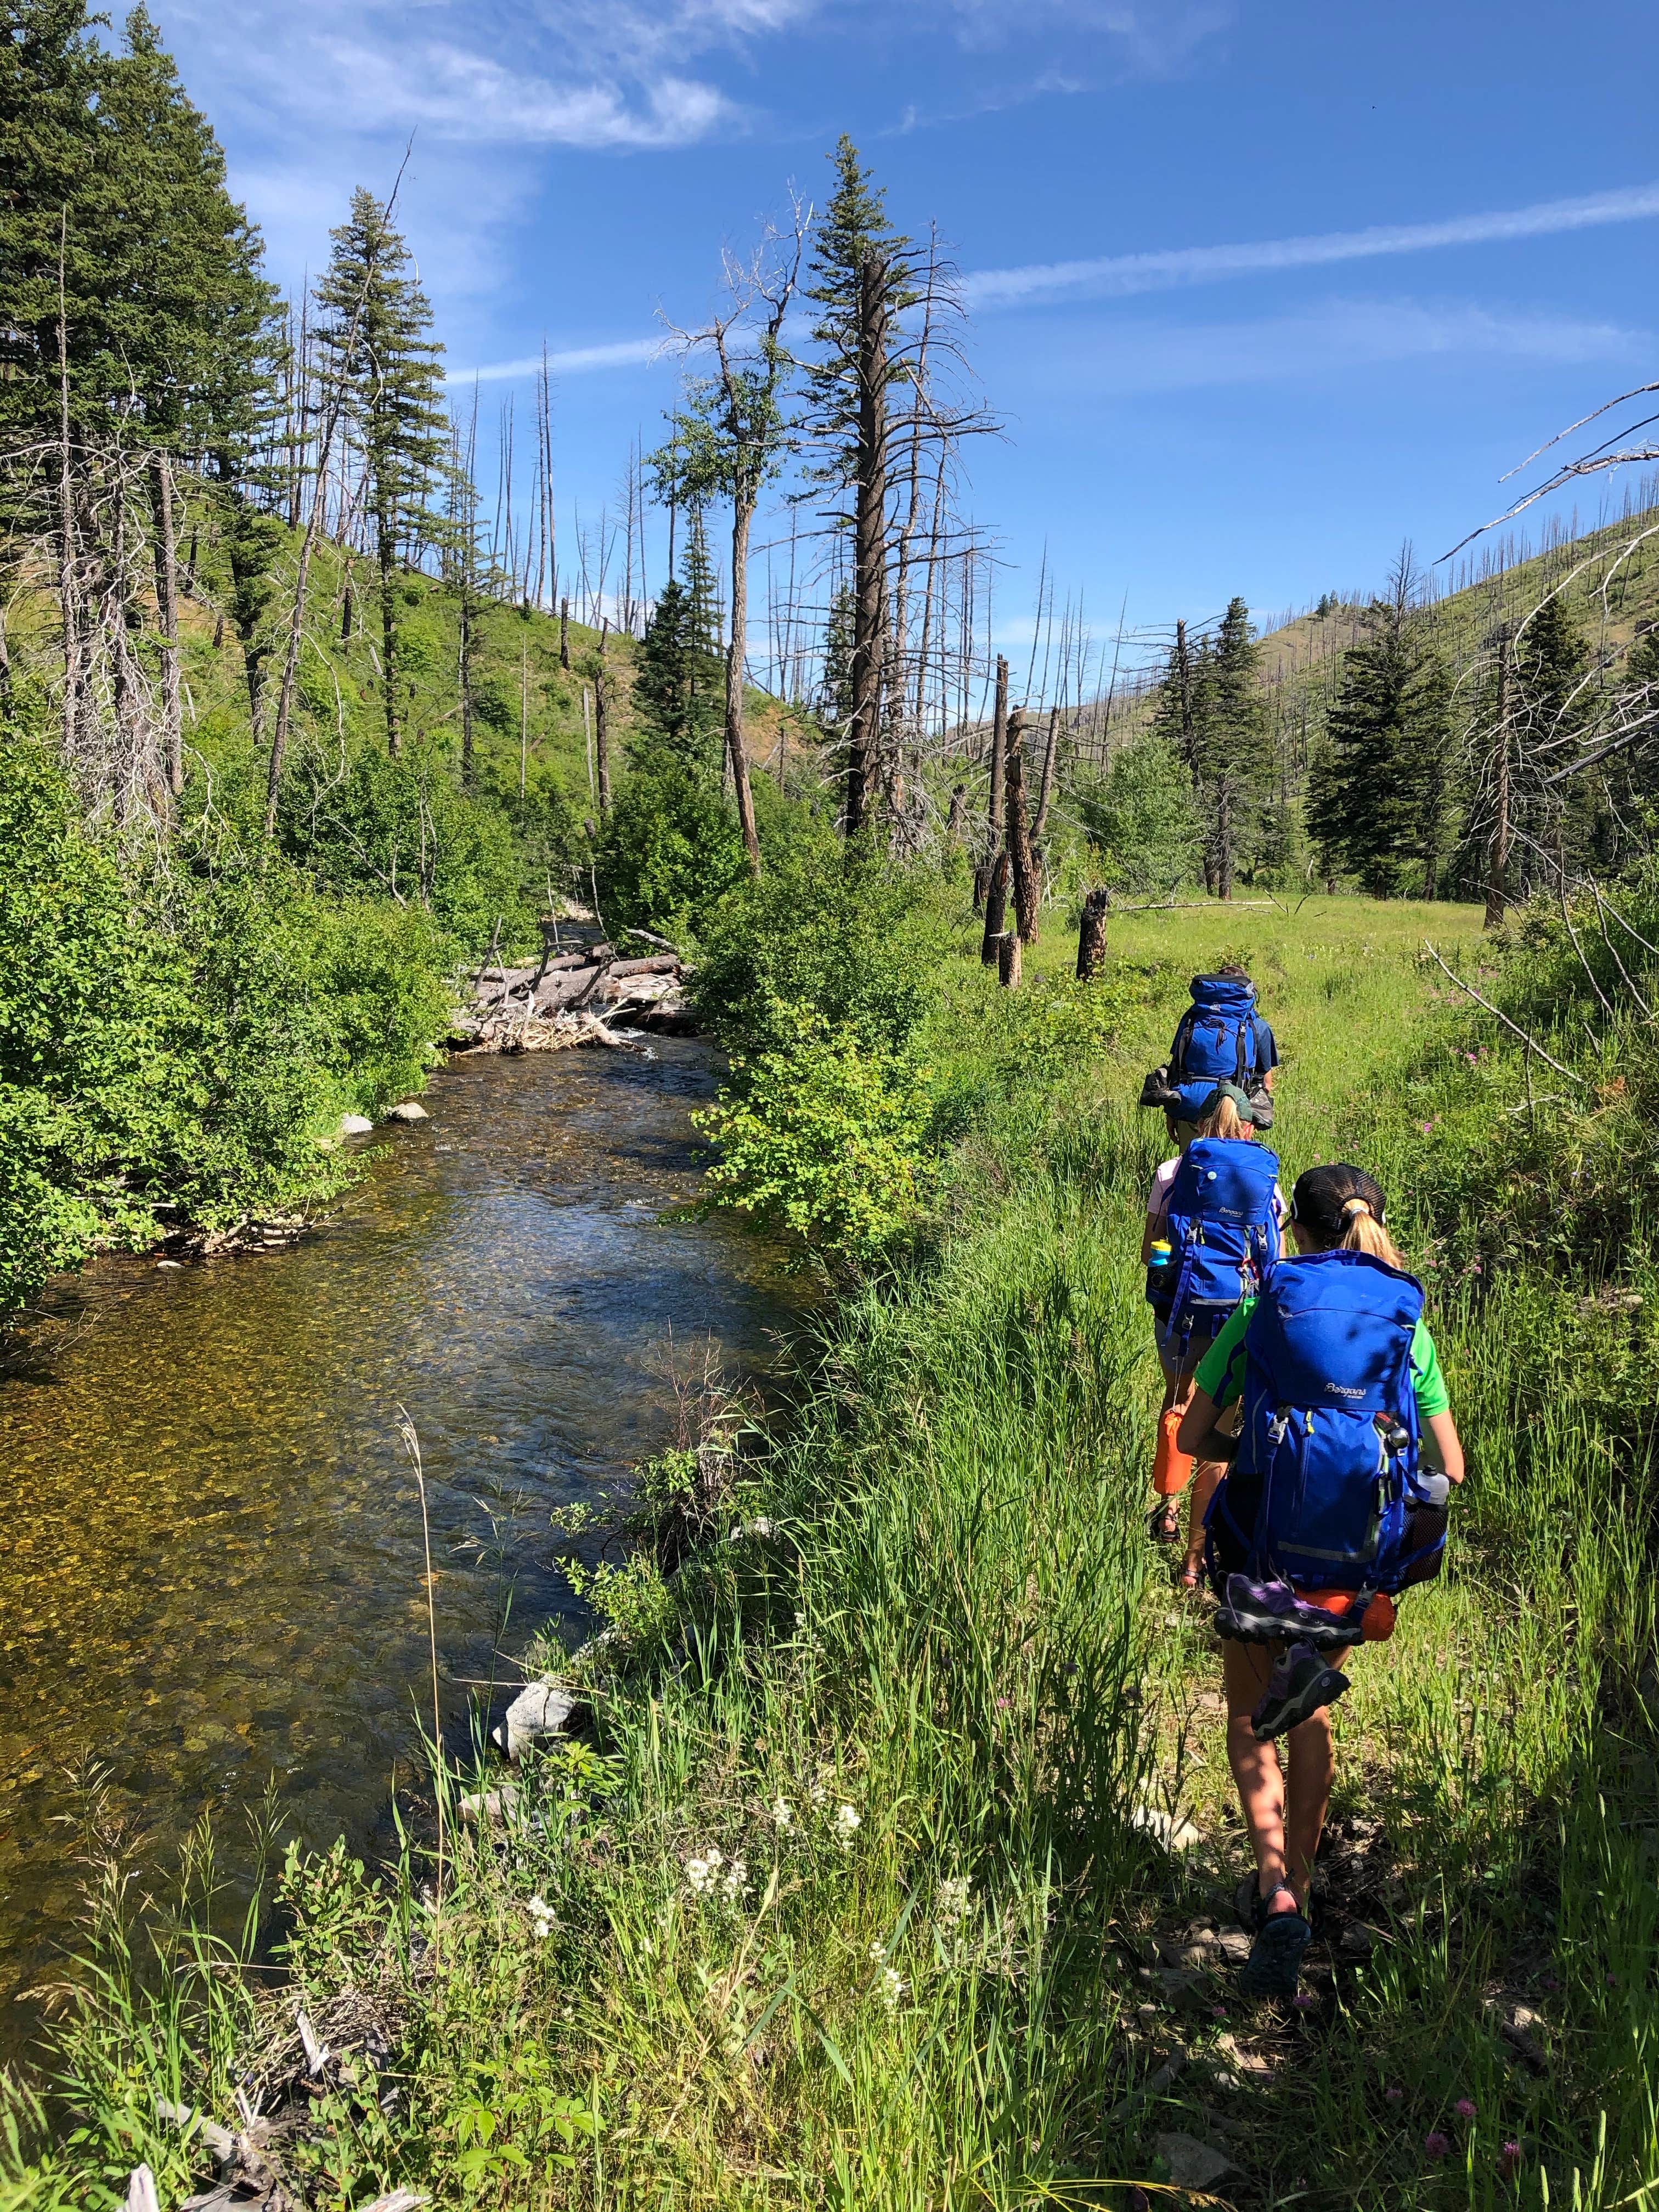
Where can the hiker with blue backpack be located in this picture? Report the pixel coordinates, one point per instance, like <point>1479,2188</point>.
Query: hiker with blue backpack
<point>1221,1038</point>
<point>1213,1224</point>
<point>1334,1503</point>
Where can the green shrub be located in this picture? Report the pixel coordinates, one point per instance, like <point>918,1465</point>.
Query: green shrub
<point>666,853</point>
<point>1142,818</point>
<point>823,1137</point>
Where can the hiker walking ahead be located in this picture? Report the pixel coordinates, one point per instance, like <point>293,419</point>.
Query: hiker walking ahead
<point>1221,1038</point>
<point>1213,1224</point>
<point>1330,1509</point>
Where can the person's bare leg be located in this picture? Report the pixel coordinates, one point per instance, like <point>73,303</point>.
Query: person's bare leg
<point>1177,1389</point>
<point>1312,1760</point>
<point>1205,1475</point>
<point>1245,1669</point>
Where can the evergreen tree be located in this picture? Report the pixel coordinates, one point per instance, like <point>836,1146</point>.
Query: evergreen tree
<point>678,686</point>
<point>382,370</point>
<point>1570,828</point>
<point>1378,790</point>
<point>1232,755</point>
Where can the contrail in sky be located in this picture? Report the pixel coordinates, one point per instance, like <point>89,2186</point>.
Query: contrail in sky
<point>1117,276</point>
<point>572,361</point>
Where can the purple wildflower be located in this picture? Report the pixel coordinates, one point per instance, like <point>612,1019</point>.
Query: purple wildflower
<point>1303,2002</point>
<point>1436,2144</point>
<point>1464,2108</point>
<point>1394,2096</point>
<point>1509,2159</point>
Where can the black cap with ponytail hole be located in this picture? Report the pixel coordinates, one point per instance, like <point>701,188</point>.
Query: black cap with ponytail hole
<point>1327,1199</point>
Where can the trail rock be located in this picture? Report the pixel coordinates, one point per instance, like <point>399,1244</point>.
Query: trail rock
<point>355,1125</point>
<point>1192,2164</point>
<point>1174,1835</point>
<point>410,1110</point>
<point>540,1711</point>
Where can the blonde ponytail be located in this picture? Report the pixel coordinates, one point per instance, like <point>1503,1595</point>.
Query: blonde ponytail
<point>1363,1232</point>
<point>1224,1119</point>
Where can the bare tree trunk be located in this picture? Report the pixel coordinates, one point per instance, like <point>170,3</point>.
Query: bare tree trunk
<point>956,822</point>
<point>869,544</point>
<point>524,718</point>
<point>1091,936</point>
<point>1223,836</point>
<point>996,908</point>
<point>602,735</point>
<point>1046,787</point>
<point>467,731</point>
<point>68,582</point>
<point>1497,851</point>
<point>167,601</point>
<point>1021,862</point>
<point>737,653</point>
<point>564,634</point>
<point>994,819</point>
<point>387,553</point>
<point>1008,960</point>
<point>5,662</point>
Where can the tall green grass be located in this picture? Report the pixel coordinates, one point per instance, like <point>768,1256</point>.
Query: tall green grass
<point>934,1708</point>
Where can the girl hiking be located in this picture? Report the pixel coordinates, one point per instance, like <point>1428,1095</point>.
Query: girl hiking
<point>1332,1506</point>
<point>1213,1223</point>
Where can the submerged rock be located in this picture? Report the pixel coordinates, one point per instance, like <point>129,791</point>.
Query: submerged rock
<point>410,1110</point>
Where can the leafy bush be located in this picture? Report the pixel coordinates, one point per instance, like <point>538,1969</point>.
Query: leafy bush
<point>667,851</point>
<point>1140,815</point>
<point>400,829</point>
<point>824,1136</point>
<point>175,1049</point>
<point>861,942</point>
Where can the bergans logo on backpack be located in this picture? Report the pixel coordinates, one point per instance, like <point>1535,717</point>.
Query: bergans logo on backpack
<point>1223,1233</point>
<point>1215,1040</point>
<point>1336,1484</point>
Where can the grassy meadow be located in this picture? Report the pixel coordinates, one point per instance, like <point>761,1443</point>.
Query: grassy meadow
<point>893,1872</point>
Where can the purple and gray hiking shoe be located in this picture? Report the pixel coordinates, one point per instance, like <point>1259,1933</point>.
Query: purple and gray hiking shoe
<point>1300,1685</point>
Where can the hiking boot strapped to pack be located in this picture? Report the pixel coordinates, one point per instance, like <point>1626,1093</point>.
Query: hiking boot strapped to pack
<point>1219,1039</point>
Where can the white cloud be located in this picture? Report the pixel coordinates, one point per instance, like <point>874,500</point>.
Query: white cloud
<point>568,360</point>
<point>1120,275</point>
<point>1341,334</point>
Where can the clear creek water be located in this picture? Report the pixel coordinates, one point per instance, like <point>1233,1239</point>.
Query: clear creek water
<point>210,1551</point>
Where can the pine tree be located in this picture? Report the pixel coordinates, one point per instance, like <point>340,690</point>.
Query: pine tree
<point>676,688</point>
<point>382,367</point>
<point>1231,749</point>
<point>1378,791</point>
<point>1569,827</point>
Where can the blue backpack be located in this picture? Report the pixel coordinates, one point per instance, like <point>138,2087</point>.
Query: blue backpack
<point>1330,1440</point>
<point>1215,1040</point>
<point>1224,1233</point>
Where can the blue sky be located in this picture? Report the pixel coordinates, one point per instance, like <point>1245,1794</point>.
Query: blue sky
<point>1418,309</point>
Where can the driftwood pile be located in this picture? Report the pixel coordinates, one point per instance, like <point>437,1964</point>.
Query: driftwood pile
<point>586,995</point>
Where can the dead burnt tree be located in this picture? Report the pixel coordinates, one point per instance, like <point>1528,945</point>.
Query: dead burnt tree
<point>732,439</point>
<point>1092,934</point>
<point>1022,861</point>
<point>995,808</point>
<point>996,909</point>
<point>1497,847</point>
<point>1008,960</point>
<point>166,548</point>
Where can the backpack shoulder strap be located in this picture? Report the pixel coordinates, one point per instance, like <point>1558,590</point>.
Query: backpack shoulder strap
<point>1178,1049</point>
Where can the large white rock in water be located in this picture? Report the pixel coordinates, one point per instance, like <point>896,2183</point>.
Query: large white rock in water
<point>540,1709</point>
<point>410,1110</point>
<point>355,1125</point>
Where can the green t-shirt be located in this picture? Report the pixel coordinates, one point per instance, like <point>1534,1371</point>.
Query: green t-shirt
<point>1221,1371</point>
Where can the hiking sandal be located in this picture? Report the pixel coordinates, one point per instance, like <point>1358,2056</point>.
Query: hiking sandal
<point>1164,1523</point>
<point>1275,1961</point>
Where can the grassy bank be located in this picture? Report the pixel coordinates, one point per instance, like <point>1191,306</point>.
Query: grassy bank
<point>863,1891</point>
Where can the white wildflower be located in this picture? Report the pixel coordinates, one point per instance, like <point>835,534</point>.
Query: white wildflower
<point>800,1621</point>
<point>951,1906</point>
<point>783,1814</point>
<point>736,1881</point>
<point>703,1872</point>
<point>893,1986</point>
<point>846,1819</point>
<point>543,1918</point>
<point>878,1955</point>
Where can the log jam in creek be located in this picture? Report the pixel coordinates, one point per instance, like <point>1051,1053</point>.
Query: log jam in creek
<point>210,1561</point>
